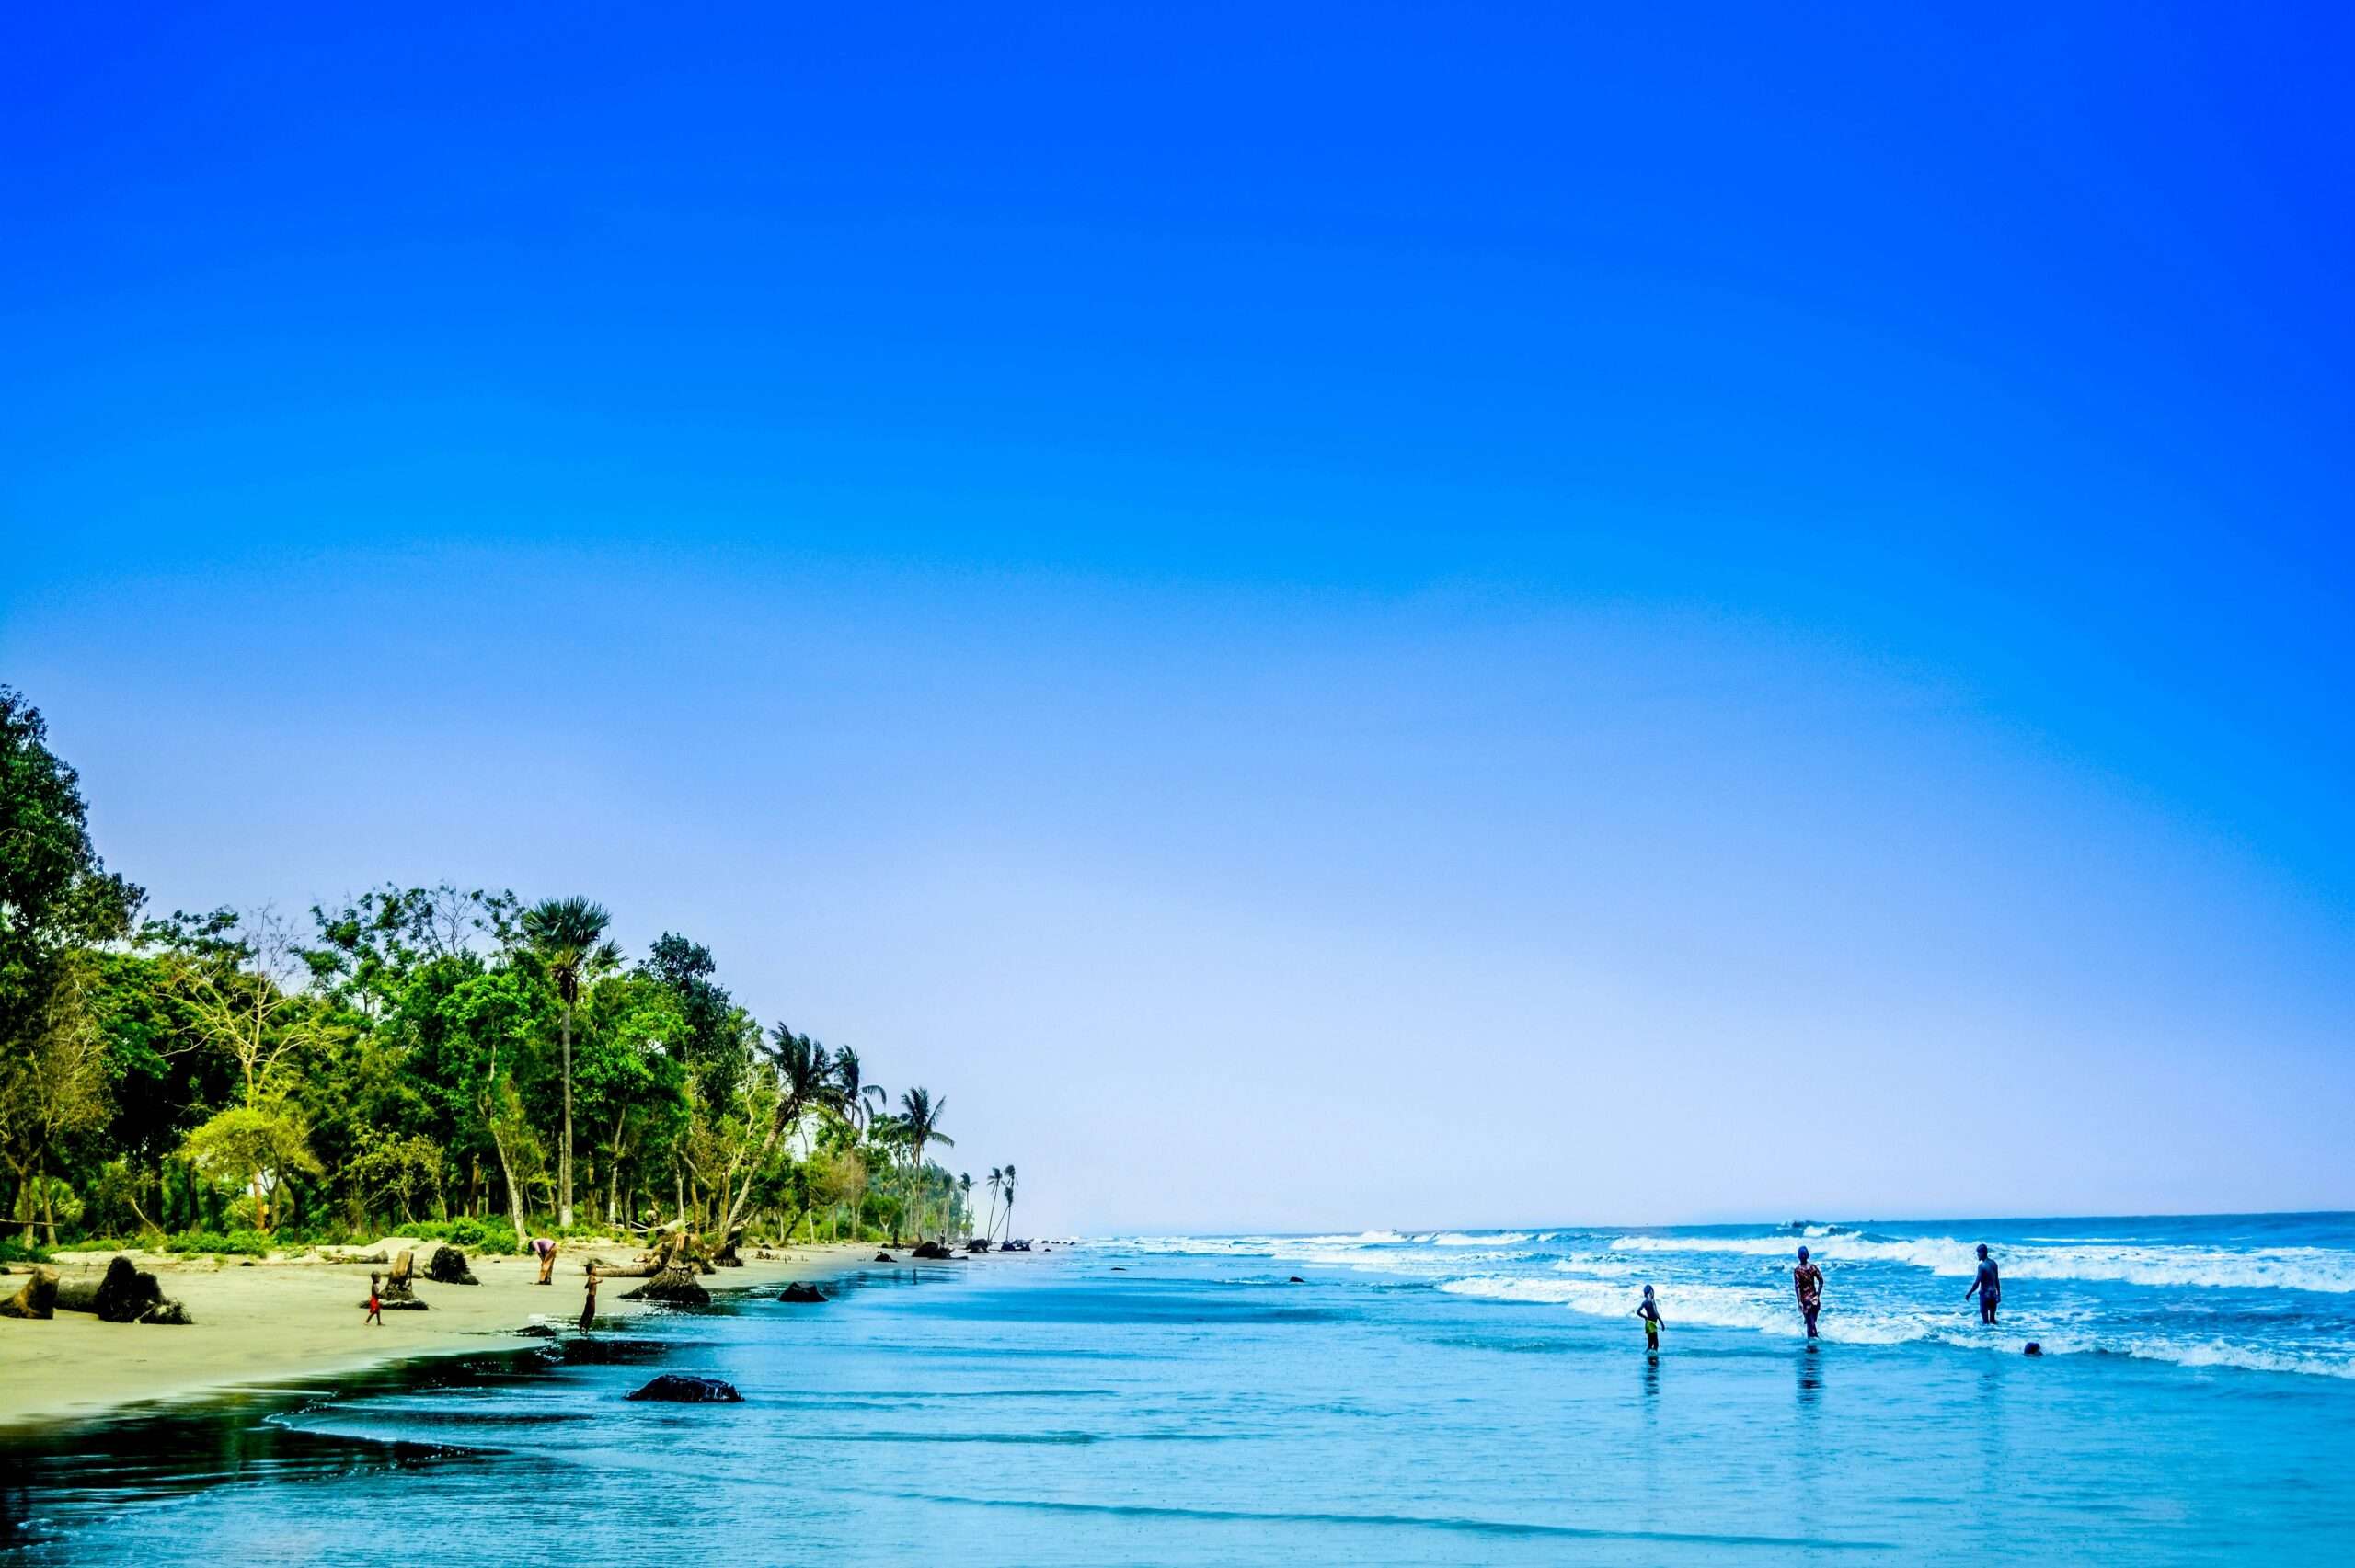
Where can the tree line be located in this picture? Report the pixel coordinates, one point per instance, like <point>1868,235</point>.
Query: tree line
<point>438,1059</point>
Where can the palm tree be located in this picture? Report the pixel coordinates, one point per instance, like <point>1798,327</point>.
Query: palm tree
<point>921,1119</point>
<point>807,1080</point>
<point>965,1193</point>
<point>856,1093</point>
<point>569,935</point>
<point>1008,1182</point>
<point>997,1179</point>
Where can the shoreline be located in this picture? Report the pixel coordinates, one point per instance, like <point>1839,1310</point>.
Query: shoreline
<point>283,1319</point>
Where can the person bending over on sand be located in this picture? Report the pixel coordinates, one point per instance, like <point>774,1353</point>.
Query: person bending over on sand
<point>588,1306</point>
<point>1988,1287</point>
<point>543,1248</point>
<point>375,1306</point>
<point>1650,1315</point>
<point>1808,1280</point>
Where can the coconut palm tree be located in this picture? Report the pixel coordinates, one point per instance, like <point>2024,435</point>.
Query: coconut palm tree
<point>807,1080</point>
<point>1008,1182</point>
<point>997,1179</point>
<point>856,1093</point>
<point>920,1118</point>
<point>569,935</point>
<point>965,1193</point>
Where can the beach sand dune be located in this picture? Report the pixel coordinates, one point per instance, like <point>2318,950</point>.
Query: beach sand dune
<point>278,1321</point>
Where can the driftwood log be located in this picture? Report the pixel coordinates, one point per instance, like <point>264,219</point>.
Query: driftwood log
<point>669,1274</point>
<point>119,1296</point>
<point>37,1298</point>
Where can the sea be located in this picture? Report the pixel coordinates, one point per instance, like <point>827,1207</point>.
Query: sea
<point>1387,1396</point>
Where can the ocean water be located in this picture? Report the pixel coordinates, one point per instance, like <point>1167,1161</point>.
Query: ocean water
<point>1435,1396</point>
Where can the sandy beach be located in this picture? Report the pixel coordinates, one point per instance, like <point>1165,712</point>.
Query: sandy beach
<point>279,1319</point>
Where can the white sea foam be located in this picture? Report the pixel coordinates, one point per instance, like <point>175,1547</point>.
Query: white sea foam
<point>1458,1239</point>
<point>2323,1269</point>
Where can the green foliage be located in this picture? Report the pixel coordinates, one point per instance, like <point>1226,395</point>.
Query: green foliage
<point>227,1083</point>
<point>237,1243</point>
<point>391,1175</point>
<point>468,1234</point>
<point>14,1251</point>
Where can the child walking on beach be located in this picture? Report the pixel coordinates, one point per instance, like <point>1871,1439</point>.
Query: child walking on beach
<point>1650,1313</point>
<point>375,1306</point>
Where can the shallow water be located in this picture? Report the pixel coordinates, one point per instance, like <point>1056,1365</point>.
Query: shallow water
<point>1475,1396</point>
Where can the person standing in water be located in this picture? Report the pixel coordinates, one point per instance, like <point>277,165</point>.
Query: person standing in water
<point>1650,1315</point>
<point>588,1306</point>
<point>1988,1287</point>
<point>1808,1281</point>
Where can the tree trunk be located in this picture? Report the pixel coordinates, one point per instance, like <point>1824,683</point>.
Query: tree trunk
<point>564,1159</point>
<point>515,1193</point>
<point>787,1111</point>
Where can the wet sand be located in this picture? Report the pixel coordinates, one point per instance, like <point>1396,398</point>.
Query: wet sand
<point>278,1321</point>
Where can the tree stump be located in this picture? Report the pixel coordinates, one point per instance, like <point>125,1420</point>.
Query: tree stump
<point>676,1286</point>
<point>449,1267</point>
<point>37,1298</point>
<point>168,1310</point>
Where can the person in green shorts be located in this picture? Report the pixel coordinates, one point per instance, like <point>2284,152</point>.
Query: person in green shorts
<point>1650,1313</point>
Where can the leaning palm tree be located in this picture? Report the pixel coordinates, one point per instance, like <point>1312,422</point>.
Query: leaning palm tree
<point>965,1200</point>
<point>997,1179</point>
<point>920,1115</point>
<point>1008,1182</point>
<point>569,935</point>
<point>856,1093</point>
<point>805,1080</point>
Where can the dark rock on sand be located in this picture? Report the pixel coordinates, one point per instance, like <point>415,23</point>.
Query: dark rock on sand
<point>167,1312</point>
<point>537,1331</point>
<point>932,1250</point>
<point>674,1388</point>
<point>798,1291</point>
<point>448,1266</point>
<point>885,1257</point>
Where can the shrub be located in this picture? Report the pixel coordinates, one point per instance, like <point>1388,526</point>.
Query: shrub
<point>14,1251</point>
<point>246,1243</point>
<point>196,1241</point>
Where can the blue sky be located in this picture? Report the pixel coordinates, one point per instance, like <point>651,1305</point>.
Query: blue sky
<point>1325,619</point>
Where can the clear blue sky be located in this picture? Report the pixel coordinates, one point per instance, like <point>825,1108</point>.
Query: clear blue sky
<point>1324,617</point>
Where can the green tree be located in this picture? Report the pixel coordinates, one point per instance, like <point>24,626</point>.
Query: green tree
<point>57,899</point>
<point>919,1120</point>
<point>568,937</point>
<point>261,1146</point>
<point>806,1078</point>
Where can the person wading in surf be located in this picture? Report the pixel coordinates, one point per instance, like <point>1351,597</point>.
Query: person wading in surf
<point>1988,1287</point>
<point>1808,1281</point>
<point>1650,1315</point>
